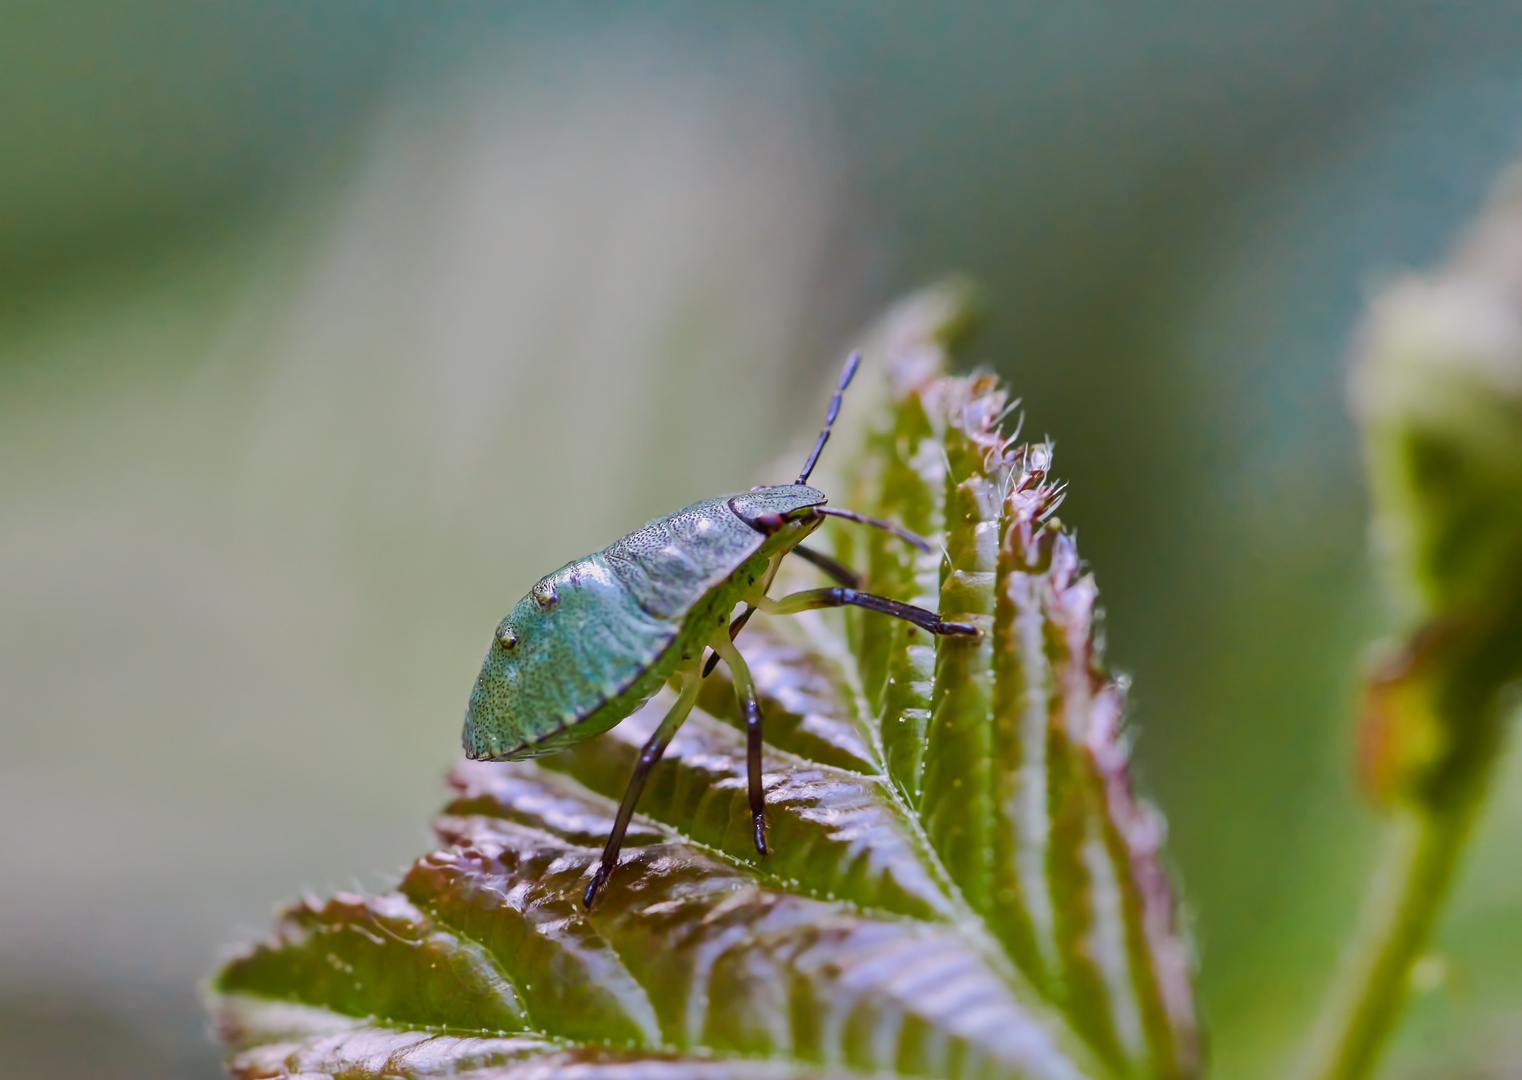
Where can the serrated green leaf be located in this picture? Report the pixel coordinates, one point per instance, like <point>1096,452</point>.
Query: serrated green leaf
<point>962,882</point>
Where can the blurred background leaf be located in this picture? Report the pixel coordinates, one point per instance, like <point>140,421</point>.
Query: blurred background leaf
<point>325,331</point>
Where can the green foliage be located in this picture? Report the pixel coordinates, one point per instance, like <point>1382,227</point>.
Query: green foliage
<point>1438,388</point>
<point>963,882</point>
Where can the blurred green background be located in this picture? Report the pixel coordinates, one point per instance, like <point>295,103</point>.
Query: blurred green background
<point>326,329</point>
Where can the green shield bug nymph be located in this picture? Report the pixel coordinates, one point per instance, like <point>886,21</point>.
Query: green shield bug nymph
<point>593,641</point>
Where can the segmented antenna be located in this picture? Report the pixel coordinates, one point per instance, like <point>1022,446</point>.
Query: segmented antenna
<point>878,523</point>
<point>852,363</point>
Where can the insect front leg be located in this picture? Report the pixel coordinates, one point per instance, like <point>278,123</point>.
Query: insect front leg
<point>750,709</point>
<point>654,747</point>
<point>838,596</point>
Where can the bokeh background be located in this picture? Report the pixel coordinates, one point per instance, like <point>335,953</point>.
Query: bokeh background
<point>326,329</point>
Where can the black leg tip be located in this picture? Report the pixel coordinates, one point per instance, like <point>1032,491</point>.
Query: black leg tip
<point>589,897</point>
<point>957,629</point>
<point>760,823</point>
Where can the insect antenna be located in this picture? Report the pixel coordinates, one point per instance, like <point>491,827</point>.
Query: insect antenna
<point>852,363</point>
<point>878,523</point>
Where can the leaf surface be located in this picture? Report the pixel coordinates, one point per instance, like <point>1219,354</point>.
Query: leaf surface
<point>962,882</point>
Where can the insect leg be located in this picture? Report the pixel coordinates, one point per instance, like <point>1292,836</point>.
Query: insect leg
<point>750,709</point>
<point>810,599</point>
<point>734,629</point>
<point>654,747</point>
<point>840,572</point>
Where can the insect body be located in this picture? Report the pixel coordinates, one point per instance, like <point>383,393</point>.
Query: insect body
<point>593,641</point>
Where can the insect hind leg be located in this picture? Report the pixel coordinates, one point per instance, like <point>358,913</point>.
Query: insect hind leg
<point>651,753</point>
<point>750,710</point>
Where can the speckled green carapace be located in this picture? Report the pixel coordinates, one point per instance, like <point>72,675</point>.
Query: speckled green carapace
<point>593,641</point>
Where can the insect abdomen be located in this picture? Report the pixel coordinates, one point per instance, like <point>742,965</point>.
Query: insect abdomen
<point>594,639</point>
<point>578,641</point>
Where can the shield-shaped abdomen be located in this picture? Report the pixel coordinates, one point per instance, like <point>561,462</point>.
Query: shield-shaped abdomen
<point>578,641</point>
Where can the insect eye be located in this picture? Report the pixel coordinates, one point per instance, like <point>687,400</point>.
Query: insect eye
<point>507,639</point>
<point>544,594</point>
